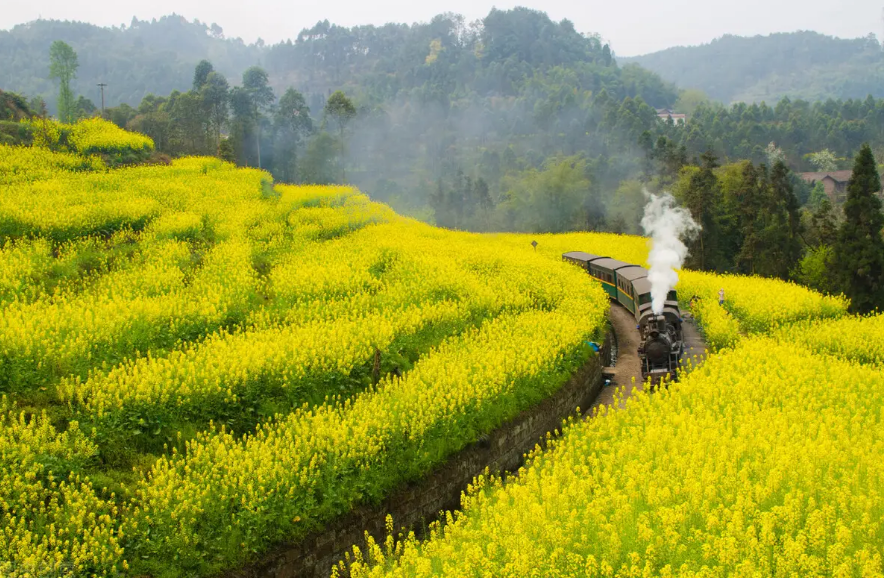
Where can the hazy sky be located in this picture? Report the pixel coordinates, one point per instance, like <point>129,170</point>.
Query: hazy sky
<point>632,26</point>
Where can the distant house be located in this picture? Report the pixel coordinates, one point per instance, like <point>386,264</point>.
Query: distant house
<point>834,183</point>
<point>667,114</point>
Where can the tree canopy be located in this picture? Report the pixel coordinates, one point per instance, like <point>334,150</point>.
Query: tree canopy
<point>858,260</point>
<point>805,65</point>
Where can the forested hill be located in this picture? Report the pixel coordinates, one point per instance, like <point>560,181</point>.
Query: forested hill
<point>141,58</point>
<point>804,65</point>
<point>445,58</point>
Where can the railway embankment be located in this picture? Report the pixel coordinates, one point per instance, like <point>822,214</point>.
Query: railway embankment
<point>415,505</point>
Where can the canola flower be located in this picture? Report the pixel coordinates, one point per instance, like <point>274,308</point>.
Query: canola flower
<point>345,300</point>
<point>854,338</point>
<point>127,312</point>
<point>224,367</point>
<point>96,135</point>
<point>167,292</point>
<point>317,195</point>
<point>29,164</point>
<point>25,265</point>
<point>71,206</point>
<point>762,462</point>
<point>53,523</point>
<point>67,204</point>
<point>326,459</point>
<point>87,136</point>
<point>761,304</point>
<point>628,248</point>
<point>752,305</point>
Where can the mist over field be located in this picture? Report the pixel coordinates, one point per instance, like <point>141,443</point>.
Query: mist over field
<point>513,121</point>
<point>266,307</point>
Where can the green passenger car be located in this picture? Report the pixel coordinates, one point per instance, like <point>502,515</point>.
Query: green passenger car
<point>626,294</point>
<point>605,270</point>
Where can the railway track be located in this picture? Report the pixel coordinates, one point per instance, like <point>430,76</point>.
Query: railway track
<point>627,372</point>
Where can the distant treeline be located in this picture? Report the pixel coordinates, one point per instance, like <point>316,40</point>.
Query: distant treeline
<point>512,123</point>
<point>805,65</point>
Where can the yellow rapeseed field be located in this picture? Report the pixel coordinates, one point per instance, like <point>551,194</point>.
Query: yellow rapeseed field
<point>88,136</point>
<point>140,300</point>
<point>199,364</point>
<point>763,462</point>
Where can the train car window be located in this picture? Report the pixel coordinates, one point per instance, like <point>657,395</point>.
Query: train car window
<point>644,299</point>
<point>673,296</point>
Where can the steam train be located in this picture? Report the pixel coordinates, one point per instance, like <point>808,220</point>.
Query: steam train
<point>662,340</point>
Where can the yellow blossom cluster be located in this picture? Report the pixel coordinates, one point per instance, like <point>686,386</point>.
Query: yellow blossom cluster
<point>52,523</point>
<point>762,462</point>
<point>344,299</point>
<point>146,304</point>
<point>152,297</point>
<point>855,338</point>
<point>166,292</point>
<point>88,136</point>
<point>760,304</point>
<point>96,135</point>
<point>628,248</point>
<point>28,164</point>
<point>320,461</point>
<point>752,304</point>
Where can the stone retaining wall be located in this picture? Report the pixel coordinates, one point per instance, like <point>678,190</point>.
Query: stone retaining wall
<point>414,505</point>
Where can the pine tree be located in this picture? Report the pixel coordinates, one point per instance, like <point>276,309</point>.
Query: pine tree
<point>749,197</point>
<point>823,224</point>
<point>703,199</point>
<point>783,228</point>
<point>859,250</point>
<point>63,66</point>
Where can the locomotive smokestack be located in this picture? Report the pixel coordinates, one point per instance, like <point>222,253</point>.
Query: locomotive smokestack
<point>666,224</point>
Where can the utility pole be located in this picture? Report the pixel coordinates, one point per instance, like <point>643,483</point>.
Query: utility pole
<point>102,85</point>
<point>258,141</point>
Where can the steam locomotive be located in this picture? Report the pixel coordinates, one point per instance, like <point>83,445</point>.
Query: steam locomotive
<point>662,340</point>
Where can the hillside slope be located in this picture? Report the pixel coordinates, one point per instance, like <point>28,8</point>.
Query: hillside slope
<point>198,365</point>
<point>804,65</point>
<point>440,61</point>
<point>145,57</point>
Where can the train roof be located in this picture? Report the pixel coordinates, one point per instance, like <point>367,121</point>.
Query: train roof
<point>611,264</point>
<point>581,256</point>
<point>632,273</point>
<point>642,286</point>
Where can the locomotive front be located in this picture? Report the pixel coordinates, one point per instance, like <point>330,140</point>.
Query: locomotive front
<point>661,346</point>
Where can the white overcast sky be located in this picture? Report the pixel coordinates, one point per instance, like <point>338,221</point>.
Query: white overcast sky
<point>631,26</point>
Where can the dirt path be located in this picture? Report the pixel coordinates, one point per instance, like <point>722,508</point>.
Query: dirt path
<point>695,349</point>
<point>628,365</point>
<point>627,370</point>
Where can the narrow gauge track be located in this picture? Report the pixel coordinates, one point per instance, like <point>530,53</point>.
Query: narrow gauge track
<point>658,319</point>
<point>650,346</point>
<point>627,372</point>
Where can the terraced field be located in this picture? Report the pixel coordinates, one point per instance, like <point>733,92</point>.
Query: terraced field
<point>198,365</point>
<point>761,462</point>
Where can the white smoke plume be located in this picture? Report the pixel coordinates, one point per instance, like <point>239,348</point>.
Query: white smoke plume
<point>666,224</point>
